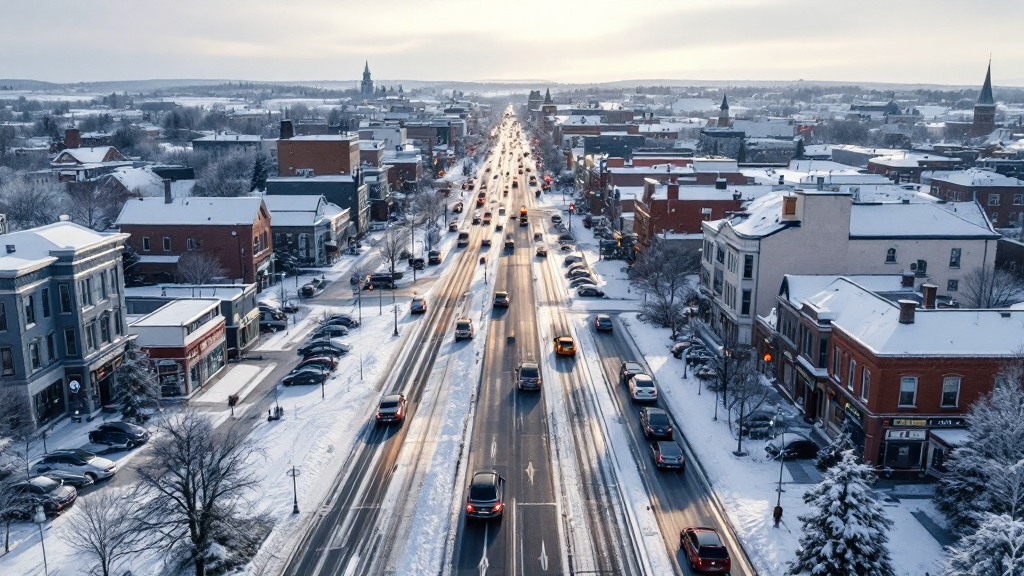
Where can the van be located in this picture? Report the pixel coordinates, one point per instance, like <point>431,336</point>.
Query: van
<point>463,239</point>
<point>382,280</point>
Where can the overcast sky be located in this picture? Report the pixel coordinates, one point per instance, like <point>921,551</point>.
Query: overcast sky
<point>910,41</point>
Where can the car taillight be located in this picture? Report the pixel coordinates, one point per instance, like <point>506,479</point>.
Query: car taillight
<point>660,458</point>
<point>469,508</point>
<point>498,507</point>
<point>378,415</point>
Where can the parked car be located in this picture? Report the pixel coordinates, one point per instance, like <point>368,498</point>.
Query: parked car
<point>602,322</point>
<point>119,434</point>
<point>591,292</point>
<point>704,549</point>
<point>565,346</point>
<point>577,274</point>
<point>567,248</point>
<point>417,263</point>
<point>642,388</point>
<point>556,219</point>
<point>464,329</point>
<point>318,363</point>
<point>341,320</point>
<point>542,252</point>
<point>577,283</point>
<point>572,259</point>
<point>668,454</point>
<point>457,207</point>
<point>565,236</point>
<point>52,495</point>
<point>629,369</point>
<point>696,357</point>
<point>418,305</point>
<point>577,266</point>
<point>655,423</point>
<point>308,375</point>
<point>434,257</point>
<point>757,422</point>
<point>328,331</point>
<point>528,376</point>
<point>486,495</point>
<point>796,446</point>
<point>501,299</point>
<point>312,288</point>
<point>391,409</point>
<point>78,461</point>
<point>68,478</point>
<point>333,348</point>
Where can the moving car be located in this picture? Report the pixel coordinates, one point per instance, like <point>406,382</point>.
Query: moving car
<point>668,454</point>
<point>308,375</point>
<point>642,388</point>
<point>476,217</point>
<point>501,299</point>
<point>629,369</point>
<point>704,549</point>
<point>119,434</point>
<point>391,409</point>
<point>78,461</point>
<point>457,207</point>
<point>52,495</point>
<point>565,346</point>
<point>528,376</point>
<point>417,263</point>
<point>434,257</point>
<point>602,322</point>
<point>542,252</point>
<point>312,288</point>
<point>464,329</point>
<point>453,226</point>
<point>486,497</point>
<point>486,242</point>
<point>591,292</point>
<point>463,239</point>
<point>655,423</point>
<point>796,446</point>
<point>418,305</point>
<point>510,243</point>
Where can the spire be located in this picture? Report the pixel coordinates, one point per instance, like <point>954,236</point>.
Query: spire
<point>366,69</point>
<point>547,96</point>
<point>986,98</point>
<point>725,102</point>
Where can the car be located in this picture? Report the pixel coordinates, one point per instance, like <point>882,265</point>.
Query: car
<point>582,282</point>
<point>68,478</point>
<point>796,446</point>
<point>55,497</point>
<point>556,219</point>
<point>565,346</point>
<point>78,461</point>
<point>328,331</point>
<point>567,248</point>
<point>699,356</point>
<point>308,375</point>
<point>629,369</point>
<point>391,409</point>
<point>499,226</point>
<point>418,305</point>
<point>542,252</point>
<point>680,348</point>
<point>642,388</point>
<point>457,208</point>
<point>317,362</point>
<point>312,288</point>
<point>575,274</point>
<point>485,243</point>
<point>486,495</point>
<point>464,329</point>
<point>704,549</point>
<point>528,376</point>
<point>417,263</point>
<point>566,237</point>
<point>120,434</point>
<point>757,422</point>
<point>453,226</point>
<point>434,257</point>
<point>501,299</point>
<point>510,243</point>
<point>577,266</point>
<point>655,423</point>
<point>332,348</point>
<point>668,454</point>
<point>602,322</point>
<point>563,242</point>
<point>341,320</point>
<point>463,239</point>
<point>573,259</point>
<point>591,292</point>
<point>476,217</point>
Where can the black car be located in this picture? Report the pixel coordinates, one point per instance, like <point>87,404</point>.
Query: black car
<point>320,348</point>
<point>629,369</point>
<point>417,263</point>
<point>328,331</point>
<point>756,422</point>
<point>306,376</point>
<point>434,256</point>
<point>796,446</point>
<point>590,291</point>
<point>341,320</point>
<point>68,478</point>
<point>486,498</point>
<point>120,434</point>
<point>668,454</point>
<point>53,496</point>
<point>655,423</point>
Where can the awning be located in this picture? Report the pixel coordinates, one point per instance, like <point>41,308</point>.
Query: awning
<point>264,266</point>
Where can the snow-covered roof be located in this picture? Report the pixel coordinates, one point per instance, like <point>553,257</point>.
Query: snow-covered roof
<point>973,177</point>
<point>232,137</point>
<point>35,247</point>
<point>763,216</point>
<point>191,211</point>
<point>711,193</point>
<point>315,179</point>
<point>93,155</point>
<point>177,313</point>
<point>221,291</point>
<point>950,436</point>
<point>147,183</point>
<point>920,220</point>
<point>800,287</point>
<point>715,165</point>
<point>353,137</point>
<point>158,259</point>
<point>298,203</point>
<point>910,159</point>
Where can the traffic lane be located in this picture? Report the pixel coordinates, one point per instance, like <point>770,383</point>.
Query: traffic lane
<point>680,499</point>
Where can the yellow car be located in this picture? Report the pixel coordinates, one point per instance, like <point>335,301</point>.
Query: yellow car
<point>565,346</point>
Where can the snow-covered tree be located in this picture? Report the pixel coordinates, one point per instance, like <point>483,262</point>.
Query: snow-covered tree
<point>136,385</point>
<point>104,527</point>
<point>199,267</point>
<point>996,548</point>
<point>260,172</point>
<point>830,455</point>
<point>844,532</point>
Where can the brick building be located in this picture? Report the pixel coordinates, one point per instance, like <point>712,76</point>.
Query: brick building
<point>1002,197</point>
<point>908,166</point>
<point>316,155</point>
<point>680,209</point>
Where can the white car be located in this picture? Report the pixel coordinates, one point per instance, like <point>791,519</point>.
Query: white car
<point>78,461</point>
<point>642,388</point>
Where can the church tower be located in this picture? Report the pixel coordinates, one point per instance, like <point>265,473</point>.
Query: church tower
<point>723,113</point>
<point>985,107</point>
<point>366,86</point>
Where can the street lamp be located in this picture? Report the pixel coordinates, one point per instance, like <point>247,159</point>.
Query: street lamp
<point>394,305</point>
<point>40,518</point>
<point>294,473</point>
<point>779,421</point>
<point>238,241</point>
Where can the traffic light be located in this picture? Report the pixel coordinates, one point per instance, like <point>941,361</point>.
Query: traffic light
<point>572,207</point>
<point>767,357</point>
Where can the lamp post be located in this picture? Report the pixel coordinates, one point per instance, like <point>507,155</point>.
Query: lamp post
<point>40,518</point>
<point>294,472</point>
<point>238,241</point>
<point>779,421</point>
<point>394,305</point>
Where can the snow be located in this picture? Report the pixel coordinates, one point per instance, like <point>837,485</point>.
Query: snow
<point>191,210</point>
<point>920,220</point>
<point>239,379</point>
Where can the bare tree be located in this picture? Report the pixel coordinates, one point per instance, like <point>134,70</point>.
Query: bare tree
<point>198,267</point>
<point>229,175</point>
<point>105,528</point>
<point>747,391</point>
<point>95,205</point>
<point>136,387</point>
<point>29,204</point>
<point>429,205</point>
<point>662,272</point>
<point>983,288</point>
<point>7,136</point>
<point>196,487</point>
<point>393,246</point>
<point>15,441</point>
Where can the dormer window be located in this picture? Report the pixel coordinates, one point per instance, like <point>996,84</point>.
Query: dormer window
<point>890,256</point>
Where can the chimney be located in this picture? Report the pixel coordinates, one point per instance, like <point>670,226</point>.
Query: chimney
<point>789,208</point>
<point>72,138</point>
<point>782,180</point>
<point>929,291</point>
<point>907,311</point>
<point>167,191</point>
<point>821,183</point>
<point>673,191</point>
<point>720,184</point>
<point>907,280</point>
<point>287,130</point>
<point>10,248</point>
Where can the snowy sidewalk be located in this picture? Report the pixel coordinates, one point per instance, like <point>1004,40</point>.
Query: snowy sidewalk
<point>239,379</point>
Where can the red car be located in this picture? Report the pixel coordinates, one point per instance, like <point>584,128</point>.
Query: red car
<point>391,409</point>
<point>704,549</point>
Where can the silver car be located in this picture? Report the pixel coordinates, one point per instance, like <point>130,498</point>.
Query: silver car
<point>642,388</point>
<point>78,461</point>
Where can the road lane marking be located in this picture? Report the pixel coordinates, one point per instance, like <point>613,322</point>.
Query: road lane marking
<point>494,447</point>
<point>530,470</point>
<point>543,557</point>
<point>482,566</point>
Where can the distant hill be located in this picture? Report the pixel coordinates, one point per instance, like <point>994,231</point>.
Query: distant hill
<point>21,84</point>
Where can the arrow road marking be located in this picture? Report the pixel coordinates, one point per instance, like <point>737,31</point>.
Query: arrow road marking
<point>482,566</point>
<point>494,447</point>
<point>543,557</point>
<point>530,470</point>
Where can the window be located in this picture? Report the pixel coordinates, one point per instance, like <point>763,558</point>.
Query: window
<point>745,304</point>
<point>145,243</point>
<point>950,391</point>
<point>3,317</point>
<point>994,217</point>
<point>115,287</point>
<point>65,298</point>
<point>46,302</point>
<point>1018,199</point>
<point>837,362</point>
<point>90,335</point>
<point>256,245</point>
<point>70,343</point>
<point>922,268</point>
<point>890,256</point>
<point>85,287</point>
<point>118,327</point>
<point>190,244</point>
<point>51,347</point>
<point>7,360</point>
<point>719,254</point>
<point>908,392</point>
<point>167,244</point>
<point>30,310</point>
<point>993,199</point>
<point>733,260</point>
<point>865,384</point>
<point>822,352</point>
<point>748,266</point>
<point>954,258</point>
<point>105,328</point>
<point>952,285</point>
<point>851,373</point>
<point>102,281</point>
<point>33,354</point>
<point>717,287</point>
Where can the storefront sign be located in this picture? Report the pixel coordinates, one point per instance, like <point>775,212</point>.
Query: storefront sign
<point>905,434</point>
<point>928,422</point>
<point>915,422</point>
<point>854,413</point>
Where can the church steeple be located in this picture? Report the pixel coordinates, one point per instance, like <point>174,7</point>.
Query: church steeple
<point>985,107</point>
<point>366,86</point>
<point>723,113</point>
<point>986,98</point>
<point>547,96</point>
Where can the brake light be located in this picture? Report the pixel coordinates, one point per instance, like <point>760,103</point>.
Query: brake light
<point>378,415</point>
<point>498,507</point>
<point>660,458</point>
<point>469,508</point>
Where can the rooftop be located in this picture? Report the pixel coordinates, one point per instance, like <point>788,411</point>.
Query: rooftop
<point>37,246</point>
<point>975,177</point>
<point>191,211</point>
<point>178,313</point>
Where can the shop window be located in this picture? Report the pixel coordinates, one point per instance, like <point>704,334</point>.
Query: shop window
<point>865,384</point>
<point>7,360</point>
<point>145,243</point>
<point>950,391</point>
<point>64,291</point>
<point>33,355</point>
<point>70,342</point>
<point>49,402</point>
<point>908,392</point>
<point>30,311</point>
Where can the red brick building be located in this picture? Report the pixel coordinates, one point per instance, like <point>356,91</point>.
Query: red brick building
<point>235,230</point>
<point>1002,197</point>
<point>908,166</point>
<point>318,155</point>
<point>680,209</point>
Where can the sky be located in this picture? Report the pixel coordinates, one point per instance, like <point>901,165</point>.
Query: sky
<point>903,41</point>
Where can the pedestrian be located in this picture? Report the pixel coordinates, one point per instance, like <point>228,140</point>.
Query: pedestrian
<point>777,515</point>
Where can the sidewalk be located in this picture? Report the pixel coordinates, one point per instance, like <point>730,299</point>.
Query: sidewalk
<point>239,379</point>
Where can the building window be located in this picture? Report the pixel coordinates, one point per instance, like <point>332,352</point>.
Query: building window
<point>1018,199</point>
<point>65,298</point>
<point>865,384</point>
<point>105,328</point>
<point>717,287</point>
<point>950,391</point>
<point>3,317</point>
<point>952,285</point>
<point>167,244</point>
<point>745,304</point>
<point>7,357</point>
<point>51,347</point>
<point>954,258</point>
<point>90,335</point>
<point>30,311</point>
<point>46,302</point>
<point>190,244</point>
<point>851,373</point>
<point>890,256</point>
<point>908,392</point>
<point>85,287</point>
<point>33,355</point>
<point>993,199</point>
<point>256,245</point>
<point>102,281</point>
<point>719,254</point>
<point>822,352</point>
<point>118,327</point>
<point>115,287</point>
<point>994,217</point>
<point>837,363</point>
<point>145,243</point>
<point>748,266</point>
<point>70,343</point>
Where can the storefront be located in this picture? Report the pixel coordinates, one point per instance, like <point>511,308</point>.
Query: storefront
<point>49,403</point>
<point>919,443</point>
<point>182,371</point>
<point>940,443</point>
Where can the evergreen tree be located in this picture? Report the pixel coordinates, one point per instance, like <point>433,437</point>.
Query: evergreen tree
<point>845,530</point>
<point>137,389</point>
<point>830,455</point>
<point>260,173</point>
<point>995,549</point>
